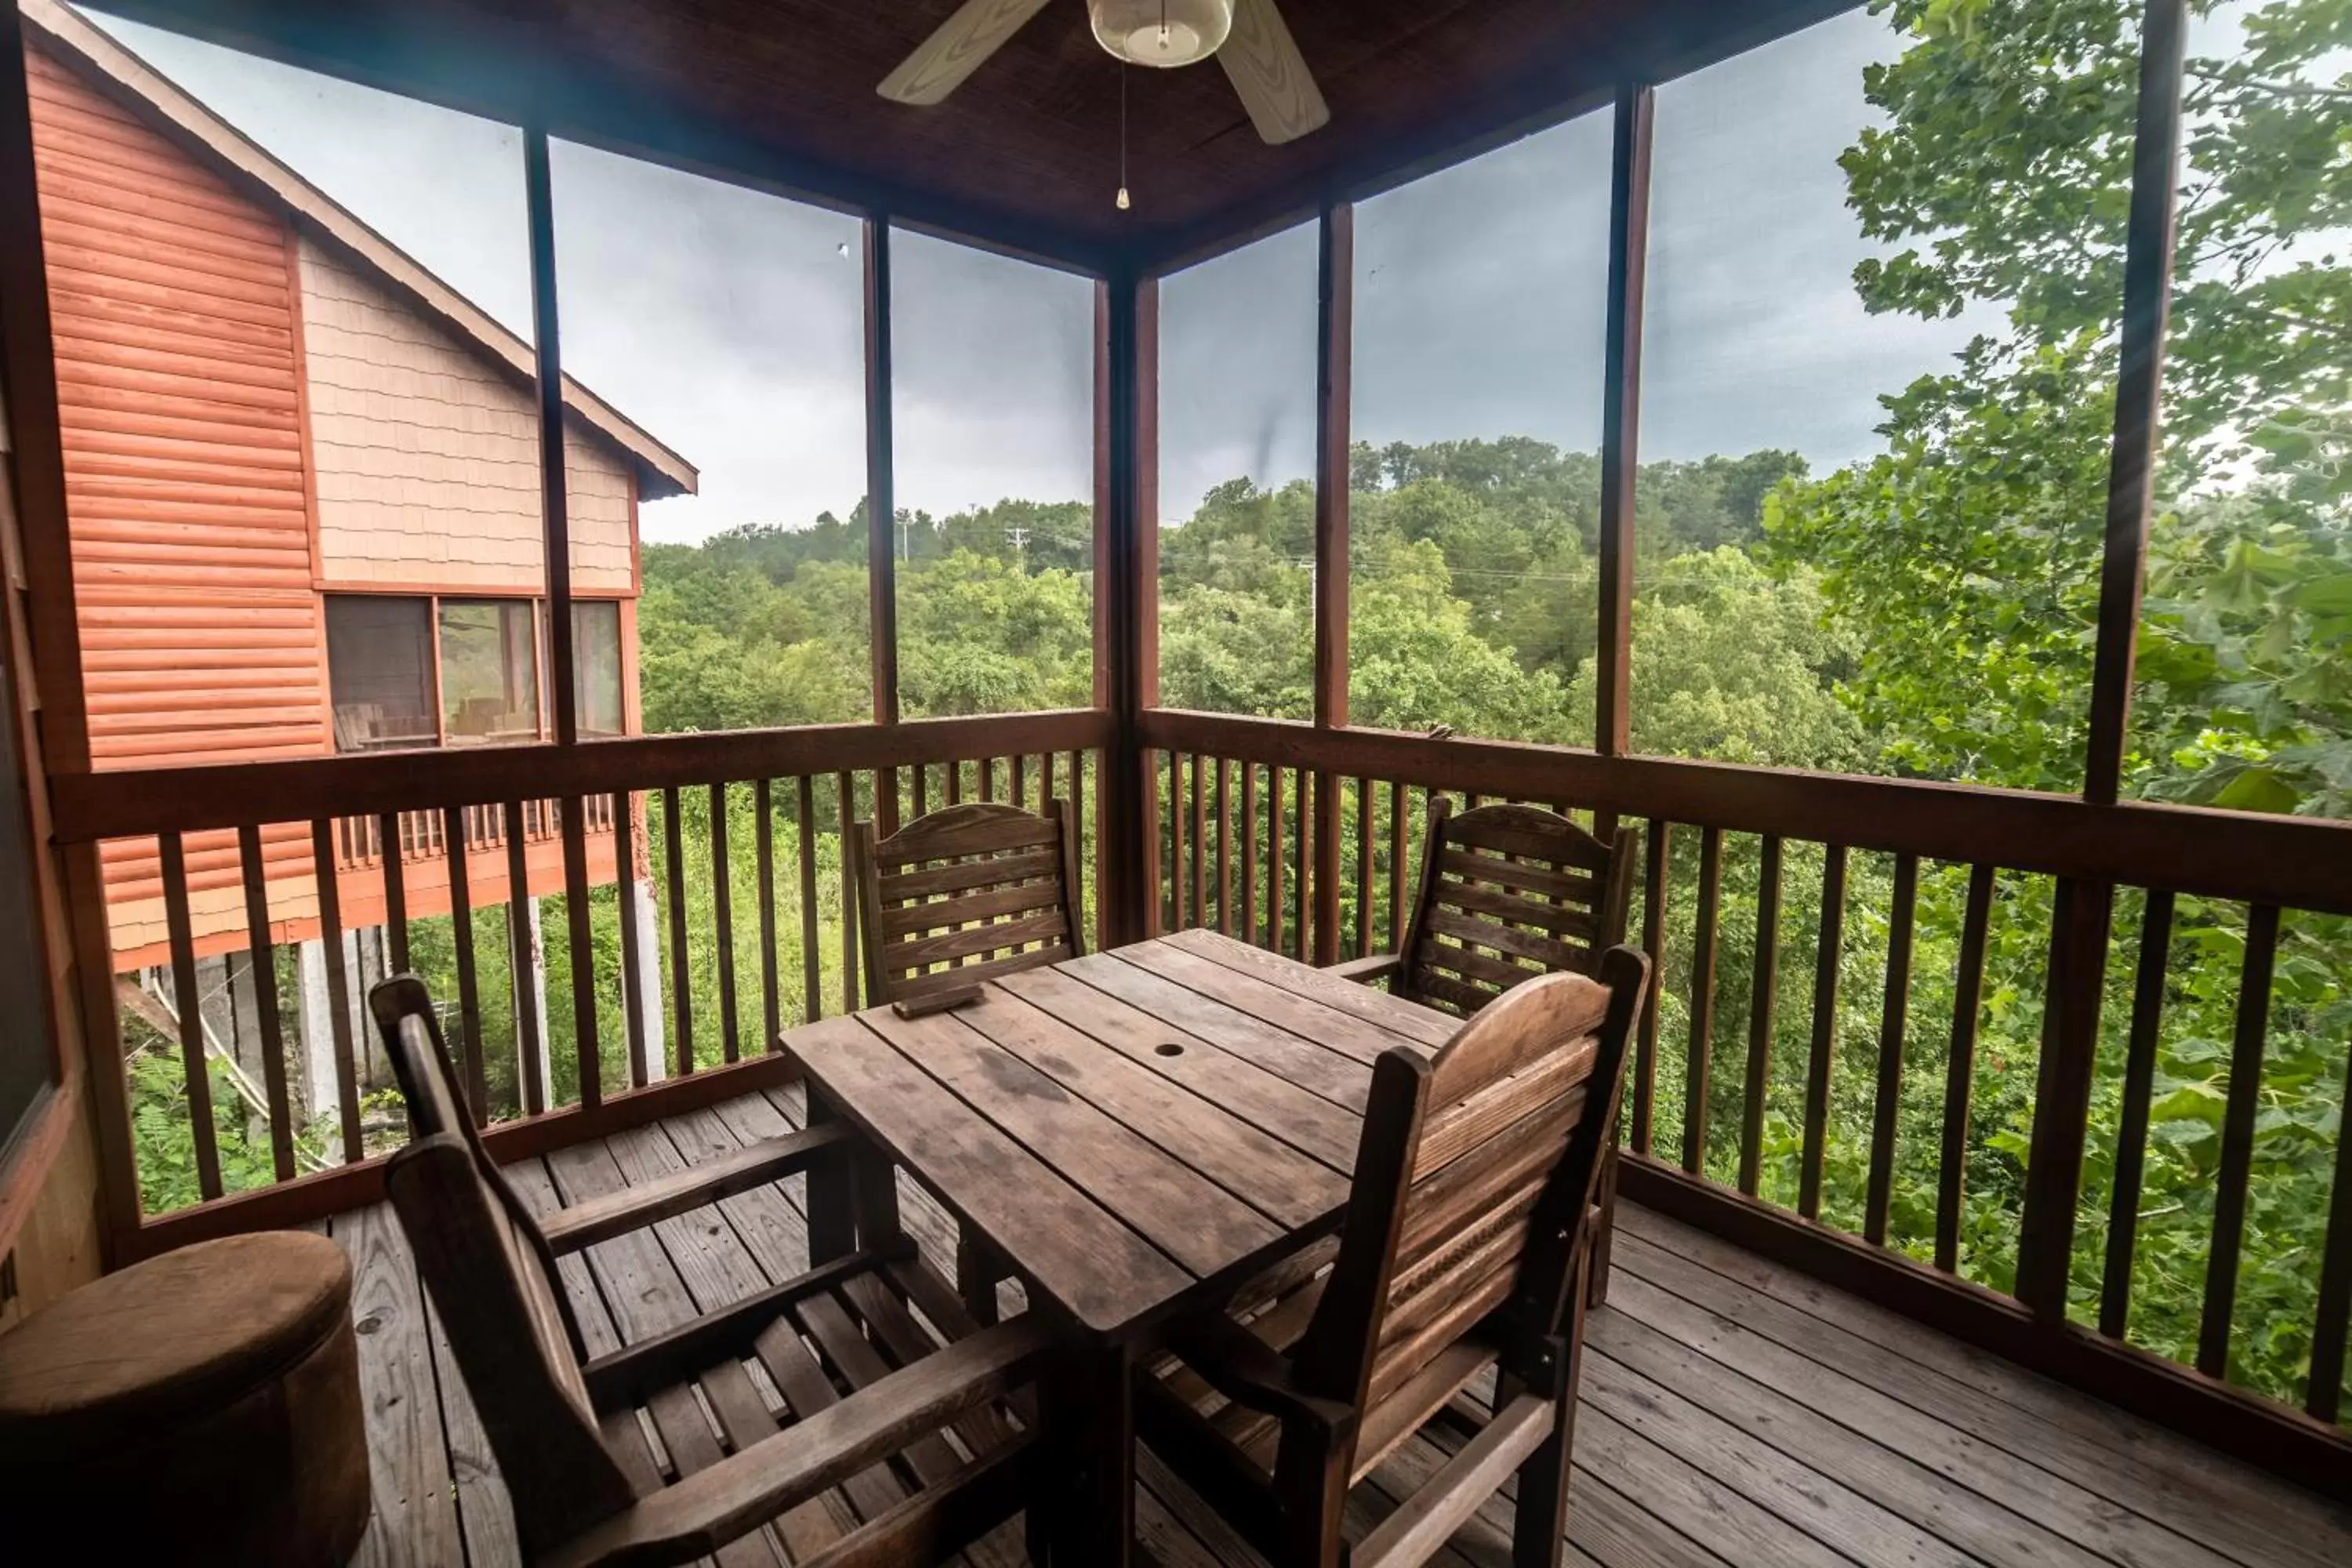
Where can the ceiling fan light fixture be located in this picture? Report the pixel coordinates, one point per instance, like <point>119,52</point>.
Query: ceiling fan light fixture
<point>1161,33</point>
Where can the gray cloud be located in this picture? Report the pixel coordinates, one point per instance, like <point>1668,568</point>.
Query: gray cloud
<point>728,321</point>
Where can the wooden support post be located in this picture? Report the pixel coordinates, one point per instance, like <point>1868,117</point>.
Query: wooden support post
<point>2139,394</point>
<point>1126,606</point>
<point>1334,292</point>
<point>555,519</point>
<point>1620,412</point>
<point>881,509</point>
<point>2062,1108</point>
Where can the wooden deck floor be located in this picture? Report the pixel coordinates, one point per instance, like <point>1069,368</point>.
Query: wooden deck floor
<point>1734,1413</point>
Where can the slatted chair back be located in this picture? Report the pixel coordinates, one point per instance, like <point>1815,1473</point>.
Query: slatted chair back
<point>1474,1195</point>
<point>1507,893</point>
<point>493,1281</point>
<point>967,894</point>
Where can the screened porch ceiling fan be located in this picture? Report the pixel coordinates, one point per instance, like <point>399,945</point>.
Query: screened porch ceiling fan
<point>1248,38</point>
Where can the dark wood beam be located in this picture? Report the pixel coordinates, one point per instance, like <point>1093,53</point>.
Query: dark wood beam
<point>1334,396</point>
<point>1620,412</point>
<point>555,519</point>
<point>881,509</point>
<point>2139,394</point>
<point>1127,549</point>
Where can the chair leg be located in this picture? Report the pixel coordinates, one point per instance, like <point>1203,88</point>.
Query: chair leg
<point>1541,1523</point>
<point>976,1273</point>
<point>1596,1281</point>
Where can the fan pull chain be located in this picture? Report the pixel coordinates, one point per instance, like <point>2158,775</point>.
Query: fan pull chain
<point>1123,203</point>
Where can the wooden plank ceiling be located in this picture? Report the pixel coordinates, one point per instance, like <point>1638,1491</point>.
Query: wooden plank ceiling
<point>1025,153</point>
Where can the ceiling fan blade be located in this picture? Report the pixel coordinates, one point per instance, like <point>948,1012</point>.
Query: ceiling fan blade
<point>1266,70</point>
<point>962,43</point>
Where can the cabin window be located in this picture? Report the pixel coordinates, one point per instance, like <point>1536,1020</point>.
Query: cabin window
<point>490,671</point>
<point>596,666</point>
<point>380,668</point>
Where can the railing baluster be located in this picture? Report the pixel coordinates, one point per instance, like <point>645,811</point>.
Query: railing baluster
<point>722,910</point>
<point>1821,1057</point>
<point>1302,873</point>
<point>1960,1066</point>
<point>845,792</point>
<point>1225,847</point>
<point>522,961</point>
<point>1398,829</point>
<point>470,990</point>
<point>635,1005</point>
<point>1249,852</point>
<point>2325,1395</point>
<point>263,954</point>
<point>1045,778</point>
<point>955,782</point>
<point>812,960</point>
<point>1175,840</point>
<point>2140,1092</point>
<point>1765,984</point>
<point>922,772</point>
<point>771,1015</point>
<point>1699,1061</point>
<point>1893,1023</point>
<point>2238,1138</point>
<point>1019,793</point>
<point>681,970</point>
<point>395,892</point>
<point>1200,845</point>
<point>1273,857</point>
<point>187,999</point>
<point>1655,858</point>
<point>1078,830</point>
<point>1364,825</point>
<point>987,768</point>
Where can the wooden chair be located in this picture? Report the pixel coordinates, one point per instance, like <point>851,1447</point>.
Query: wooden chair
<point>957,897</point>
<point>966,894</point>
<point>1469,1226</point>
<point>586,1484</point>
<point>1507,893</point>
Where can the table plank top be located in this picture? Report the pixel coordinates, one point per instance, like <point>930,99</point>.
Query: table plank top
<point>1137,1129</point>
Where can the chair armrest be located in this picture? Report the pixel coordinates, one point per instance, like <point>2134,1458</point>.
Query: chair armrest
<point>711,1507</point>
<point>634,1208</point>
<point>1378,966</point>
<point>1249,1370</point>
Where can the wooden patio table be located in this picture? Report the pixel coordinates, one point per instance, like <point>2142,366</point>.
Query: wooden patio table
<point>1136,1132</point>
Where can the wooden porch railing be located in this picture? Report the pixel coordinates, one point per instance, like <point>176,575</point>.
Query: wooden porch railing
<point>1307,841</point>
<point>769,809</point>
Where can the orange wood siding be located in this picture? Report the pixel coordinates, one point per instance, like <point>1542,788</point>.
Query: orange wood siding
<point>179,383</point>
<point>189,422</point>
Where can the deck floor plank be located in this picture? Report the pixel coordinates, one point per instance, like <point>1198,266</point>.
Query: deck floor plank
<point>2208,1532</point>
<point>1734,1412</point>
<point>2238,1510</point>
<point>415,1517</point>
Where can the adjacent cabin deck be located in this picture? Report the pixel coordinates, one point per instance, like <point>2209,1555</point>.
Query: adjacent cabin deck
<point>1735,1412</point>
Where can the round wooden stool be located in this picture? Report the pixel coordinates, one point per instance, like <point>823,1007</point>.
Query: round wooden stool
<point>201,1407</point>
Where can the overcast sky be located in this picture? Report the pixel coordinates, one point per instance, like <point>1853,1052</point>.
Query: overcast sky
<point>727,322</point>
